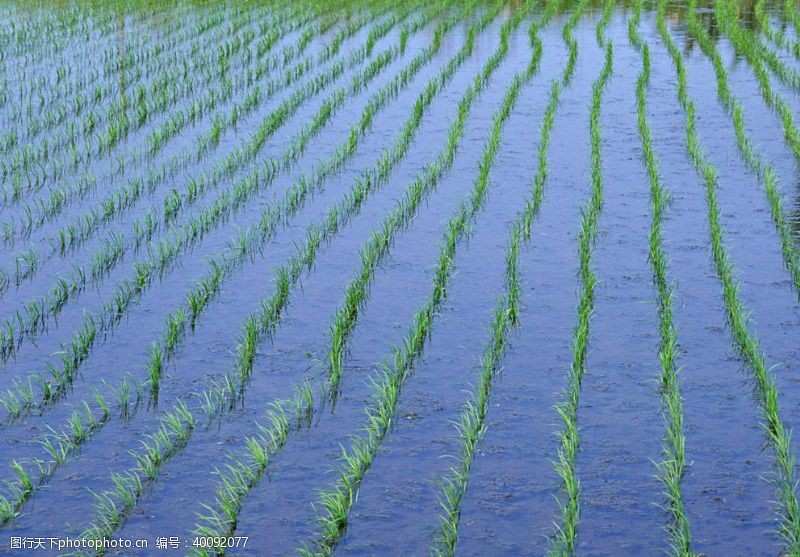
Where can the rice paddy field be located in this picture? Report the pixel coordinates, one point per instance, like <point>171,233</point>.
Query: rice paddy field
<point>472,277</point>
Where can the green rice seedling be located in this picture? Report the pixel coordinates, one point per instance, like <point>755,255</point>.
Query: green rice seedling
<point>78,430</point>
<point>155,368</point>
<point>8,233</point>
<point>231,390</point>
<point>36,316</point>
<point>59,452</point>
<point>12,405</point>
<point>197,302</point>
<point>176,324</point>
<point>89,123</point>
<point>78,278</point>
<point>303,404</point>
<point>122,488</point>
<point>144,230</point>
<point>7,511</point>
<point>212,401</point>
<point>216,130</point>
<point>107,509</point>
<point>8,336</point>
<point>100,400</point>
<point>258,453</point>
<point>45,387</point>
<point>91,420</point>
<point>42,467</point>
<point>792,16</point>
<point>123,397</point>
<point>143,275</point>
<point>25,390</point>
<point>175,423</point>
<point>120,165</point>
<point>183,413</point>
<point>149,459</point>
<point>25,483</point>
<point>247,348</point>
<point>27,263</point>
<point>8,140</point>
<point>16,187</point>
<point>60,293</point>
<point>105,259</point>
<point>172,204</point>
<point>128,398</point>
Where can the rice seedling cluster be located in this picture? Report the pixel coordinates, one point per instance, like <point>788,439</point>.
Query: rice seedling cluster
<point>672,467</point>
<point>566,529</point>
<point>293,275</point>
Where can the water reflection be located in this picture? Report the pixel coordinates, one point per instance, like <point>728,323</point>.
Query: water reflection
<point>676,12</point>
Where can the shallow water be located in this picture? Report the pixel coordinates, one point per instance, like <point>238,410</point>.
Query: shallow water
<point>512,497</point>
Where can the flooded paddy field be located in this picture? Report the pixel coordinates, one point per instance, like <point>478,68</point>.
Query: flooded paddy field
<point>374,278</point>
